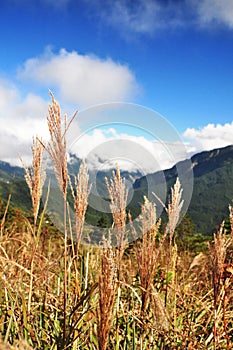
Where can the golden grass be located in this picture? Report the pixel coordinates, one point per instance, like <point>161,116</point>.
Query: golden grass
<point>107,293</point>
<point>118,194</point>
<point>151,295</point>
<point>35,176</point>
<point>80,194</point>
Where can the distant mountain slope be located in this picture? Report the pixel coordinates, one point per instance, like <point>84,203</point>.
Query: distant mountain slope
<point>12,181</point>
<point>212,192</point>
<point>213,187</point>
<point>7,170</point>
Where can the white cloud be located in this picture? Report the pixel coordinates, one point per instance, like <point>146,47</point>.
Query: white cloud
<point>220,11</point>
<point>103,148</point>
<point>8,94</point>
<point>21,119</point>
<point>140,16</point>
<point>83,80</point>
<point>147,17</point>
<point>209,137</point>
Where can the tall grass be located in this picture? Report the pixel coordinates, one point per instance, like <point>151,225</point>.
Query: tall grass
<point>118,194</point>
<point>35,177</point>
<point>107,293</point>
<point>80,195</point>
<point>147,251</point>
<point>150,294</point>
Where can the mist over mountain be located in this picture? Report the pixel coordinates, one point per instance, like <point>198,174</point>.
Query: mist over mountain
<point>212,187</point>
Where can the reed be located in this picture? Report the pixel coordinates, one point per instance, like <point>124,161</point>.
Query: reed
<point>218,255</point>
<point>80,193</point>
<point>173,210</point>
<point>147,250</point>
<point>56,147</point>
<point>107,293</point>
<point>57,151</point>
<point>118,194</point>
<point>35,176</point>
<point>150,294</point>
<point>175,204</point>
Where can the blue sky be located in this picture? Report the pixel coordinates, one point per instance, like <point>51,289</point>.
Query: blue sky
<point>172,56</point>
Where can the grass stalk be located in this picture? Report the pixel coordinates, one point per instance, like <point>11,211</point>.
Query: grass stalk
<point>107,292</point>
<point>146,250</point>
<point>218,253</point>
<point>173,209</point>
<point>35,177</point>
<point>80,195</point>
<point>57,151</point>
<point>5,214</point>
<point>111,298</point>
<point>118,194</point>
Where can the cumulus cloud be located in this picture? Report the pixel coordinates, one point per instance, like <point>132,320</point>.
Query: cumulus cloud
<point>83,80</point>
<point>209,137</point>
<point>21,119</point>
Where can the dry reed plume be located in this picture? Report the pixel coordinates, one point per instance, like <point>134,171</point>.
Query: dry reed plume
<point>35,176</point>
<point>56,148</point>
<point>173,209</point>
<point>107,292</point>
<point>57,151</point>
<point>165,300</point>
<point>218,254</point>
<point>146,250</point>
<point>118,194</point>
<point>80,194</point>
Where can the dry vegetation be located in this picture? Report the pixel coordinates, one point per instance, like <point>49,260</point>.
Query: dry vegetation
<point>59,294</point>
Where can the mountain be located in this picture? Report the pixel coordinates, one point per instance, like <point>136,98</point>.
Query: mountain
<point>212,187</point>
<point>8,171</point>
<point>97,178</point>
<point>12,182</point>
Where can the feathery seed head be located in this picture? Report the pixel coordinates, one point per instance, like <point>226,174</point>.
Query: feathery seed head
<point>57,145</point>
<point>80,194</point>
<point>35,175</point>
<point>174,208</point>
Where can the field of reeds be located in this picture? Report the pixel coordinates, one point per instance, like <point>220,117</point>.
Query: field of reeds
<point>57,293</point>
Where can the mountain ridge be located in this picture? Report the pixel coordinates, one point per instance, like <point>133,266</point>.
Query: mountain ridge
<point>212,191</point>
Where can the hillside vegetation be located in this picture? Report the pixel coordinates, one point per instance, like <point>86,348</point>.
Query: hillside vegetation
<point>212,190</point>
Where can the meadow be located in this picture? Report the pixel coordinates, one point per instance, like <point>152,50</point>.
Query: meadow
<point>58,293</point>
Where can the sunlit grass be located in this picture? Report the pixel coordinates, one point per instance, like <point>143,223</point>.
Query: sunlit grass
<point>57,293</point>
